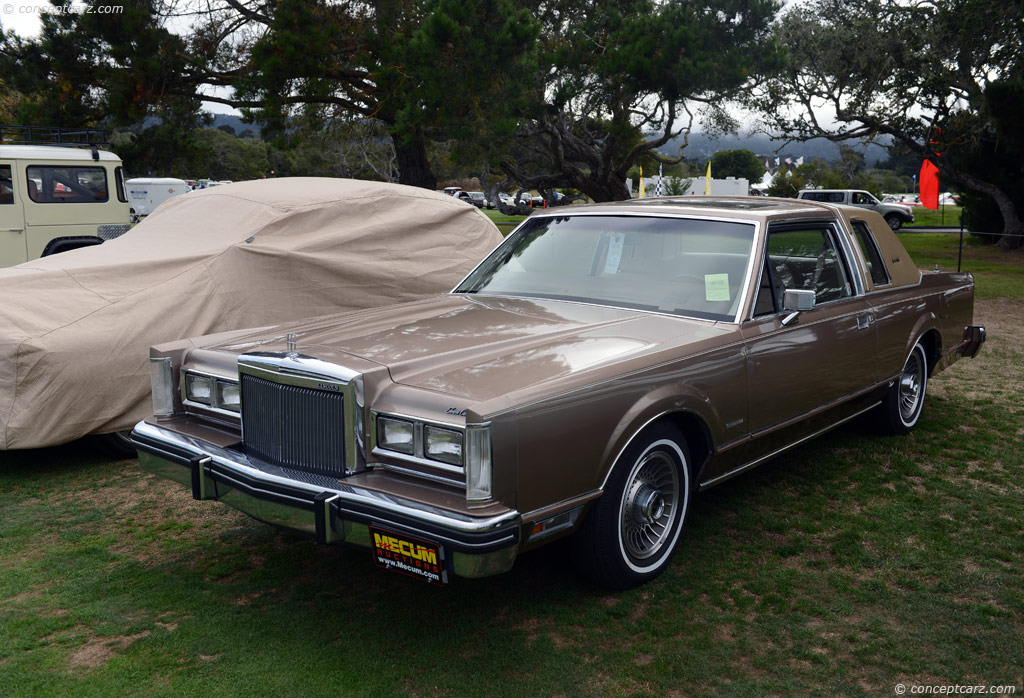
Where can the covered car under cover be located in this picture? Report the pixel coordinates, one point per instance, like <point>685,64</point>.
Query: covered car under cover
<point>75,328</point>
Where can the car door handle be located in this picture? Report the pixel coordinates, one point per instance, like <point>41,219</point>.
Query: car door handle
<point>865,321</point>
<point>14,230</point>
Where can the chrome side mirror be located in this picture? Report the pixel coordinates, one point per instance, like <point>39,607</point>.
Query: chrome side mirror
<point>795,300</point>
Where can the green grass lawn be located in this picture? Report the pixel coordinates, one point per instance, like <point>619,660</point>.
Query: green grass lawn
<point>998,273</point>
<point>499,217</point>
<point>927,218</point>
<point>851,564</point>
<point>505,224</point>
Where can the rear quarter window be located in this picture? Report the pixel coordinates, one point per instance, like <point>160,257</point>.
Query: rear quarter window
<point>876,268</point>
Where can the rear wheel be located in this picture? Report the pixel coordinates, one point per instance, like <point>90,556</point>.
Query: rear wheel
<point>900,411</point>
<point>632,531</point>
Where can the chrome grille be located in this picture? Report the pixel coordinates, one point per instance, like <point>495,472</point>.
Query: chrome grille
<point>294,427</point>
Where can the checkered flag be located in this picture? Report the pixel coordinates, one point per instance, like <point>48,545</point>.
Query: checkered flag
<point>658,190</point>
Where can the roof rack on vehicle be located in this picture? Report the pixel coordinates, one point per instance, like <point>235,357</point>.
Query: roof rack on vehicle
<point>55,135</point>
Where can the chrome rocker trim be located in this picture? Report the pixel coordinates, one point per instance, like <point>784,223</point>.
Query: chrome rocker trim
<point>476,547</point>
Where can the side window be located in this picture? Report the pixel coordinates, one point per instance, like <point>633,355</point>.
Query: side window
<point>835,197</point>
<point>876,269</point>
<point>67,185</point>
<point>860,198</point>
<point>806,258</point>
<point>6,185</point>
<point>119,177</point>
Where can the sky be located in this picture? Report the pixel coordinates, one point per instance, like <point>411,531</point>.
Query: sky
<point>23,15</point>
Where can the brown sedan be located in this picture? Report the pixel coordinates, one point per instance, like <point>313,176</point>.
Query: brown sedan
<point>593,373</point>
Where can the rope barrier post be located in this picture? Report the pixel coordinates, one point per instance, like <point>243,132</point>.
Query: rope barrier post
<point>960,252</point>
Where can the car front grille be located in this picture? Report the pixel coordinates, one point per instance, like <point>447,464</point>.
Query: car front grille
<point>294,427</point>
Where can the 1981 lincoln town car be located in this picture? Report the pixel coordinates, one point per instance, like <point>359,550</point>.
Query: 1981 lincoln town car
<point>593,373</point>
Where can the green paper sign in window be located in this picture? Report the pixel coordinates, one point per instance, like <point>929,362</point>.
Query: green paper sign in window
<point>716,287</point>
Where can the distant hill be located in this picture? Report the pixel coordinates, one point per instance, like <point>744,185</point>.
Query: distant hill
<point>702,147</point>
<point>234,122</point>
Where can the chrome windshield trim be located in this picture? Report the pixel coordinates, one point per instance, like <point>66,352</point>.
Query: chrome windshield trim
<point>471,296</point>
<point>349,494</point>
<point>744,288</point>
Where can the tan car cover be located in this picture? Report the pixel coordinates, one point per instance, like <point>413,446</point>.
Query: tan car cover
<point>75,328</point>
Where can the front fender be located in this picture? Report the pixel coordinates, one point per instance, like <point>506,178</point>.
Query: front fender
<point>665,402</point>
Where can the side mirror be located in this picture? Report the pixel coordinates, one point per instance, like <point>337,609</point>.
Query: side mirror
<point>795,300</point>
<point>798,299</point>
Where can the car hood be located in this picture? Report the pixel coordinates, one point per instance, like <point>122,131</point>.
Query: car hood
<point>484,347</point>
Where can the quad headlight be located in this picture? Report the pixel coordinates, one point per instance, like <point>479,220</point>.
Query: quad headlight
<point>199,388</point>
<point>449,448</point>
<point>396,435</point>
<point>211,391</point>
<point>443,445</point>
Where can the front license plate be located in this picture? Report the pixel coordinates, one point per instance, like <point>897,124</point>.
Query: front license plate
<point>411,556</point>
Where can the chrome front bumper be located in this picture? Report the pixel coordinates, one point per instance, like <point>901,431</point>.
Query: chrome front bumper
<point>328,509</point>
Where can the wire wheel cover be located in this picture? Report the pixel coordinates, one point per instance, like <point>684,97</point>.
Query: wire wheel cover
<point>650,505</point>
<point>910,387</point>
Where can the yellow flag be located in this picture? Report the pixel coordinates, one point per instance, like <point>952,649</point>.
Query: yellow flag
<point>707,181</point>
<point>641,182</point>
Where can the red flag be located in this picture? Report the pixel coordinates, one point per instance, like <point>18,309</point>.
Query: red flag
<point>929,185</point>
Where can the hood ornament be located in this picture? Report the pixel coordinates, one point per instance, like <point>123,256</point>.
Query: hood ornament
<point>290,342</point>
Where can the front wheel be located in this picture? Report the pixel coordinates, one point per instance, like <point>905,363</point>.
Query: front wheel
<point>116,445</point>
<point>632,531</point>
<point>894,221</point>
<point>901,408</point>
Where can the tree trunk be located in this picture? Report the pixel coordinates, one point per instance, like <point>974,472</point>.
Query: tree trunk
<point>1012,228</point>
<point>608,190</point>
<point>413,164</point>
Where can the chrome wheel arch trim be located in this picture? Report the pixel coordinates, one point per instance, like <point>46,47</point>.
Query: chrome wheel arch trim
<point>618,455</point>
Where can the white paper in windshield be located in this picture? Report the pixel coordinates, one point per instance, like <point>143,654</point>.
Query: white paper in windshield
<point>615,244</point>
<point>716,287</point>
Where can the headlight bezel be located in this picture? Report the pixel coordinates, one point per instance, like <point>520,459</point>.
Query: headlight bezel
<point>476,466</point>
<point>219,387</point>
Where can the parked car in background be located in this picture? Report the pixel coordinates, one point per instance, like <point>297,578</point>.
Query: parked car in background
<point>75,329</point>
<point>146,193</point>
<point>589,377</point>
<point>54,199</point>
<point>894,214</point>
<point>475,198</point>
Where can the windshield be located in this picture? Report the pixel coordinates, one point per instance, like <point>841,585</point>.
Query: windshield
<point>684,266</point>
